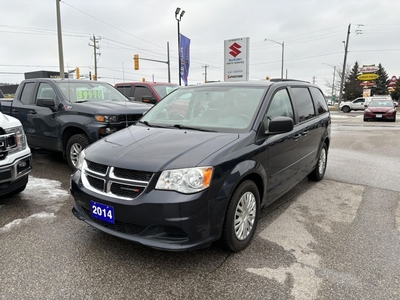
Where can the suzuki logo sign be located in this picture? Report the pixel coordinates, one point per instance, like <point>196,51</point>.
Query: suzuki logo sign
<point>235,49</point>
<point>236,59</point>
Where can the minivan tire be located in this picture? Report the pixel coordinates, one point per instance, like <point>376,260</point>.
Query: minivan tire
<point>319,171</point>
<point>75,145</point>
<point>241,217</point>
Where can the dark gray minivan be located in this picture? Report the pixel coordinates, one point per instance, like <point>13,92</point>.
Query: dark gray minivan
<point>198,166</point>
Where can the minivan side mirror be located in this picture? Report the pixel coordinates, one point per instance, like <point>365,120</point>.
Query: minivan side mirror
<point>280,125</point>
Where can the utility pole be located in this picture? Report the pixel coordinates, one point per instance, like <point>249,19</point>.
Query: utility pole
<point>60,46</point>
<point>344,65</point>
<point>205,73</point>
<point>95,47</point>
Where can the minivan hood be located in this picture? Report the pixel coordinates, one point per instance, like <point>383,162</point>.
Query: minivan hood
<point>157,149</point>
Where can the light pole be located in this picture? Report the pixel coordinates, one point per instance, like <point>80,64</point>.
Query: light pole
<point>283,51</point>
<point>333,80</point>
<point>178,18</point>
<point>60,46</point>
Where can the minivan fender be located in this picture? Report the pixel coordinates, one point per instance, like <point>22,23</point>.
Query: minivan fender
<point>242,171</point>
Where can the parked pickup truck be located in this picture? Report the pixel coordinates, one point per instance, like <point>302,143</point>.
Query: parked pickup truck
<point>148,92</point>
<point>67,115</point>
<point>15,156</point>
<point>359,103</point>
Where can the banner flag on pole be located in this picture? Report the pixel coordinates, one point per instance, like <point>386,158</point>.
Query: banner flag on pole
<point>185,58</point>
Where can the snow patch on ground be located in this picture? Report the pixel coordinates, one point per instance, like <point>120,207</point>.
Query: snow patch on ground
<point>45,193</point>
<point>27,221</point>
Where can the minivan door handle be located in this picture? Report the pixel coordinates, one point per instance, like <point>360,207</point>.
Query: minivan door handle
<point>305,132</point>
<point>296,136</point>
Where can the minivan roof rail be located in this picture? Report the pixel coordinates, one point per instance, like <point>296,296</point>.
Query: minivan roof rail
<point>280,79</point>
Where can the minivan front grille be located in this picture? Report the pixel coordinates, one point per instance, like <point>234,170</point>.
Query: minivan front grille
<point>132,174</point>
<point>126,191</point>
<point>98,168</point>
<point>96,183</point>
<point>114,182</point>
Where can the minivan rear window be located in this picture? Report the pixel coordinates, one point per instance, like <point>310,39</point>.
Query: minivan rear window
<point>303,101</point>
<point>322,106</point>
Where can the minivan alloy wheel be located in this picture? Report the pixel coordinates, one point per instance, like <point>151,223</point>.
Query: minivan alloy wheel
<point>320,167</point>
<point>241,217</point>
<point>322,161</point>
<point>245,215</point>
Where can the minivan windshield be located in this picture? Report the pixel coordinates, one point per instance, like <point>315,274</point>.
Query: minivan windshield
<point>213,108</point>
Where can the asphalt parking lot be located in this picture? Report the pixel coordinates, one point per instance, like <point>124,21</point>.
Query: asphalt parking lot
<point>335,239</point>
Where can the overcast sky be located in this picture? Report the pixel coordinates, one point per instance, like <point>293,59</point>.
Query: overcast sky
<point>313,33</point>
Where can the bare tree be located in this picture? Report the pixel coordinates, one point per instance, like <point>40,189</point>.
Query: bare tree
<point>334,84</point>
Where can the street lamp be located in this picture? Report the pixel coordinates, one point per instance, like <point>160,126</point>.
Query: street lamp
<point>178,18</point>
<point>283,51</point>
<point>333,80</point>
<point>60,46</point>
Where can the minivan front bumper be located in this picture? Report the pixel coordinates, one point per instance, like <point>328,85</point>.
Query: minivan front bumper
<point>159,219</point>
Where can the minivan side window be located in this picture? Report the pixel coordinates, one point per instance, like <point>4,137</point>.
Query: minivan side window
<point>304,103</point>
<point>319,99</point>
<point>280,105</point>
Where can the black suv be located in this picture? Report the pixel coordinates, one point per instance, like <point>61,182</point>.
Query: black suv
<point>200,164</point>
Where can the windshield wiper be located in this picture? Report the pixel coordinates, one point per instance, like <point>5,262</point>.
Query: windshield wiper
<point>180,126</point>
<point>81,101</point>
<point>145,123</point>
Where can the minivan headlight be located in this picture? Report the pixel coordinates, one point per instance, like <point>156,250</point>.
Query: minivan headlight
<point>187,181</point>
<point>20,138</point>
